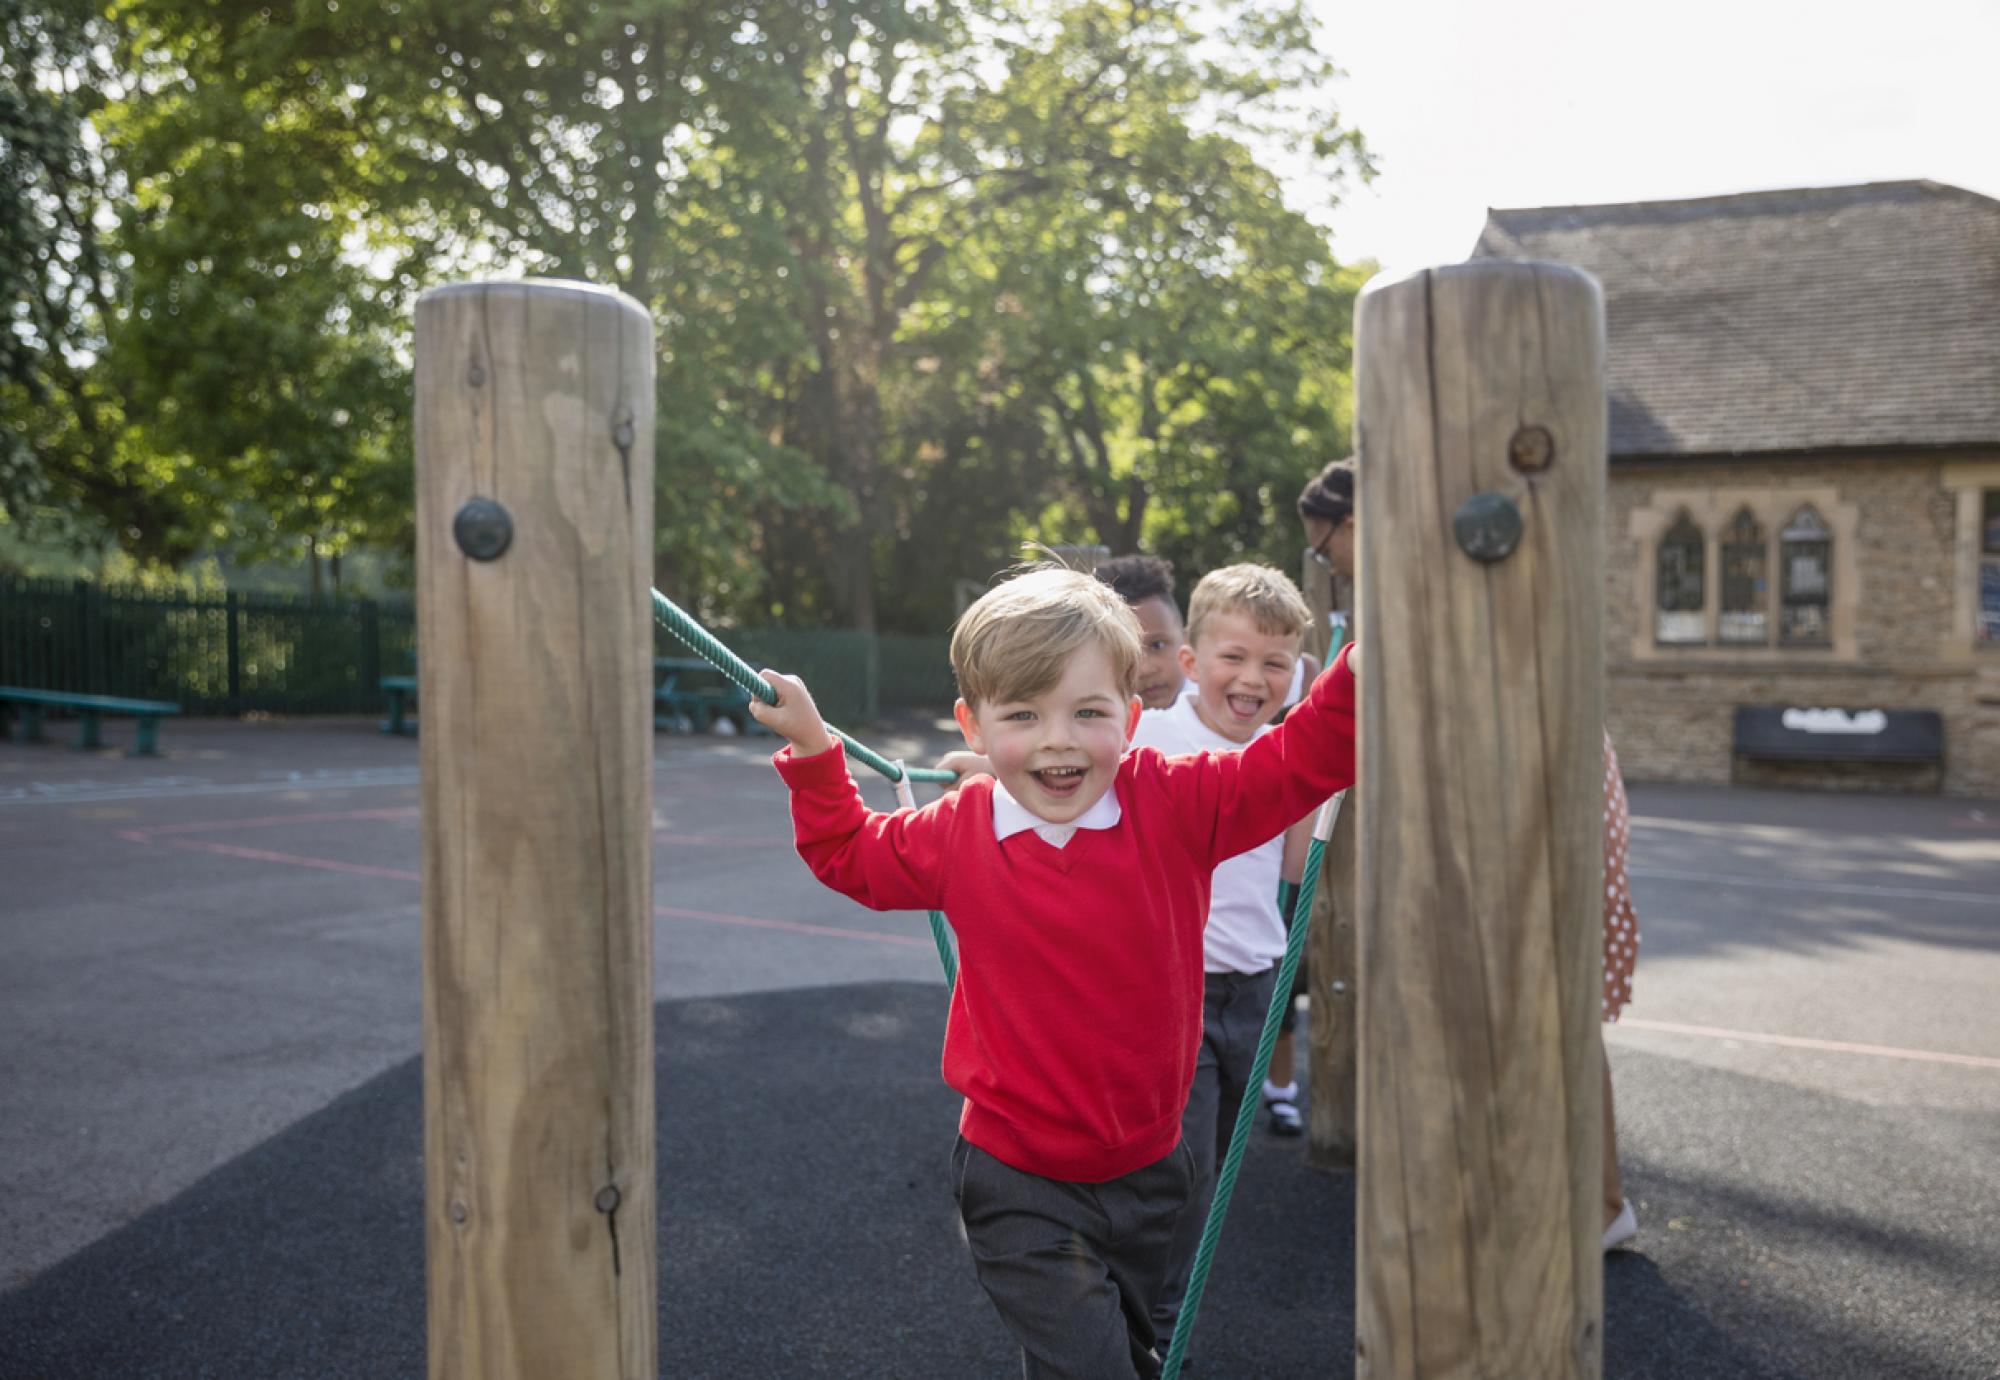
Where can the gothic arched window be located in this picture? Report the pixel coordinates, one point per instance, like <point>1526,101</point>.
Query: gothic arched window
<point>1805,560</point>
<point>1746,559</point>
<point>1680,607</point>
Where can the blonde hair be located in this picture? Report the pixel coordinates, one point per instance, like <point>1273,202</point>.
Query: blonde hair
<point>1017,638</point>
<point>1270,600</point>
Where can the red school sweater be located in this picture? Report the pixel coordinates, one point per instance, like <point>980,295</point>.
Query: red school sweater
<point>1076,1020</point>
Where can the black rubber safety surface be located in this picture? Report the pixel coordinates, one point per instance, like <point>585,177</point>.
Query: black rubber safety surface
<point>807,1230</point>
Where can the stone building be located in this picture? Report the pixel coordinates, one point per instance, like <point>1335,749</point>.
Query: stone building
<point>1805,481</point>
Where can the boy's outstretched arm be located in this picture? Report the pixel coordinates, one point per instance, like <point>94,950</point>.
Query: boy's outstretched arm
<point>886,862</point>
<point>1237,800</point>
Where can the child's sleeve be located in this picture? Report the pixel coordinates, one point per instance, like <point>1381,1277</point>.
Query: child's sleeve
<point>1233,801</point>
<point>884,861</point>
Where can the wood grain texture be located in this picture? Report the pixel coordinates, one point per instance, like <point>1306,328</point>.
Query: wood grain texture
<point>535,680</point>
<point>1332,1127</point>
<point>1481,830</point>
<point>1331,1131</point>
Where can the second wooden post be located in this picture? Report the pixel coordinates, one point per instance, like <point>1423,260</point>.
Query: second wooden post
<point>534,438</point>
<point>1330,1126</point>
<point>1481,426</point>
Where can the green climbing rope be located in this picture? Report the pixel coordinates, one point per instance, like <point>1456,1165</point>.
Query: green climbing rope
<point>1246,1115</point>
<point>744,677</point>
<point>1260,1067</point>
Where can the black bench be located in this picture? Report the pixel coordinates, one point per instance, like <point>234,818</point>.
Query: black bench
<point>400,690</point>
<point>90,710</point>
<point>1780,733</point>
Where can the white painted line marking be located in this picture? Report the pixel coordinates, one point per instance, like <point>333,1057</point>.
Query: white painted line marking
<point>184,788</point>
<point>1912,893</point>
<point>1927,1056</point>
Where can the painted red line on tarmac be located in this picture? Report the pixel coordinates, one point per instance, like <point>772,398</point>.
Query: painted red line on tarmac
<point>151,831</point>
<point>1928,1056</point>
<point>230,850</point>
<point>794,926</point>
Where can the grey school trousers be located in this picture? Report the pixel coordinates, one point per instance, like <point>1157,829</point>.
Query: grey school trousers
<point>1233,1006</point>
<point>1073,1268</point>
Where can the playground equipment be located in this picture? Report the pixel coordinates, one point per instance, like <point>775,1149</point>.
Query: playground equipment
<point>1482,442</point>
<point>1480,414</point>
<point>534,476</point>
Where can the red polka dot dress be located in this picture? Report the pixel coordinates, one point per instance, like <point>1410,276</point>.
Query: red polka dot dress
<point>1621,922</point>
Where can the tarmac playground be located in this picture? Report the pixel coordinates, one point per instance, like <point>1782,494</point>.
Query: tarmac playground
<point>210,1102</point>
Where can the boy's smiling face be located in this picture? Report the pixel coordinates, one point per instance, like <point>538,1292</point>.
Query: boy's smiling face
<point>1057,752</point>
<point>1240,673</point>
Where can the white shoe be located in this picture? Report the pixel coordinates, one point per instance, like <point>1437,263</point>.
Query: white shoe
<point>1623,1228</point>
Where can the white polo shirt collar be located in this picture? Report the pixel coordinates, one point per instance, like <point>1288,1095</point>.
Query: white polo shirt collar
<point>1011,817</point>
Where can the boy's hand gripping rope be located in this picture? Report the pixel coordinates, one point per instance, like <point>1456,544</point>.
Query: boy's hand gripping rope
<point>739,672</point>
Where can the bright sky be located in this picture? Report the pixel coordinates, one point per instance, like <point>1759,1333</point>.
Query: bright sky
<point>1471,104</point>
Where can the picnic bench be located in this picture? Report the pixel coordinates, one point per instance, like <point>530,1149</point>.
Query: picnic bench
<point>90,711</point>
<point>401,690</point>
<point>693,692</point>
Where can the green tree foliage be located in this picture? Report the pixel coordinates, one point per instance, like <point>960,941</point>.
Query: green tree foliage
<point>1179,332</point>
<point>931,276</point>
<point>633,144</point>
<point>1062,286</point>
<point>65,445</point>
<point>251,341</point>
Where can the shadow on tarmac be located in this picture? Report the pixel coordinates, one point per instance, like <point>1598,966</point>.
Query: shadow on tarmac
<point>807,1230</point>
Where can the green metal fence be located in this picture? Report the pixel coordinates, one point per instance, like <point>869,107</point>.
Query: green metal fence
<point>854,676</point>
<point>240,653</point>
<point>211,653</point>
<point>915,672</point>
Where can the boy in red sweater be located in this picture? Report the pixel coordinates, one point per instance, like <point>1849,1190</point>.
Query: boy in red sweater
<point>1077,881</point>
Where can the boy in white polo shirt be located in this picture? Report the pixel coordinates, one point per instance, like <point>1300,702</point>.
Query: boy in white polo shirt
<point>1245,627</point>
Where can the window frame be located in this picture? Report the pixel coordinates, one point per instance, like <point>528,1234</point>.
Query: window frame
<point>1680,535</point>
<point>1713,503</point>
<point>1986,572</point>
<point>1744,533</point>
<point>1807,533</point>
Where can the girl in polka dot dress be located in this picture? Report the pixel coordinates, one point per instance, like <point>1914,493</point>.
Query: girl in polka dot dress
<point>1621,951</point>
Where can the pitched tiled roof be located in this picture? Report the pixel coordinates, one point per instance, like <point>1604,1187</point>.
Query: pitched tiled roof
<point>1788,321</point>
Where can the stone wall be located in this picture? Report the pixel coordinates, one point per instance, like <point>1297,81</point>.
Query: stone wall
<point>1902,637</point>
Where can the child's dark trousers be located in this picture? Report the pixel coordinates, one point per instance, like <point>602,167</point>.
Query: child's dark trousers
<point>1075,1269</point>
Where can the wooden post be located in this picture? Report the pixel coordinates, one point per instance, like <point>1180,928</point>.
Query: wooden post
<point>1480,394</point>
<point>534,450</point>
<point>1331,1132</point>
